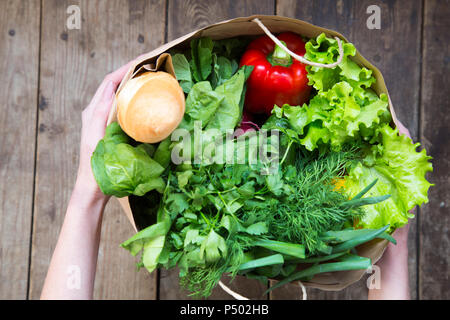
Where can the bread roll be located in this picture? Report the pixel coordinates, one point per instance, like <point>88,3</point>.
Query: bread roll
<point>150,106</point>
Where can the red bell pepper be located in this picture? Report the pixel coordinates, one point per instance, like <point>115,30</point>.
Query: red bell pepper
<point>276,77</point>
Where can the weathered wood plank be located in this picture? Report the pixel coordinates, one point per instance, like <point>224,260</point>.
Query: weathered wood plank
<point>73,63</point>
<point>19,65</point>
<point>395,50</point>
<point>188,15</point>
<point>183,17</point>
<point>434,259</point>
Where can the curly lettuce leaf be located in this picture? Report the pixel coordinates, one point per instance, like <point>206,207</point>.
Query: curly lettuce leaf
<point>326,50</point>
<point>335,118</point>
<point>344,109</point>
<point>400,171</point>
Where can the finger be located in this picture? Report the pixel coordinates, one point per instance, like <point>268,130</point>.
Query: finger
<point>97,123</point>
<point>102,103</point>
<point>401,234</point>
<point>98,114</point>
<point>117,76</point>
<point>106,100</point>
<point>114,77</point>
<point>402,129</point>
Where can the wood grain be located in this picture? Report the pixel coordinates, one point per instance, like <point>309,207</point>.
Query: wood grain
<point>395,50</point>
<point>188,15</point>
<point>73,63</point>
<point>184,17</point>
<point>19,65</point>
<point>435,132</point>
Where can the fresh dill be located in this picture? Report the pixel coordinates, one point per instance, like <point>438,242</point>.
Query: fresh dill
<point>313,203</point>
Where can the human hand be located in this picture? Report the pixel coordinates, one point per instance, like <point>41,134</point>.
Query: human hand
<point>394,262</point>
<point>94,119</point>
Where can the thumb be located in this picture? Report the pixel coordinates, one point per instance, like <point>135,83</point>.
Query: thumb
<point>100,110</point>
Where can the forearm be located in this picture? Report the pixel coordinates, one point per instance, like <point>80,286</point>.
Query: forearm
<point>394,270</point>
<point>72,269</point>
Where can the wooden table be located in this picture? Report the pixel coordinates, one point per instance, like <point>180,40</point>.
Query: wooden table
<point>49,73</point>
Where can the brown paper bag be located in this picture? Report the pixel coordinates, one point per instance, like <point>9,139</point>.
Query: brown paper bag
<point>244,26</point>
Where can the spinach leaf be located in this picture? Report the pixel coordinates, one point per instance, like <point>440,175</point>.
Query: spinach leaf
<point>201,52</point>
<point>182,72</point>
<point>228,114</point>
<point>113,136</point>
<point>232,48</point>
<point>222,71</point>
<point>201,103</point>
<point>132,171</point>
<point>162,153</point>
<point>121,169</point>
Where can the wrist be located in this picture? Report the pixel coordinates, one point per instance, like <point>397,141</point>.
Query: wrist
<point>86,194</point>
<point>401,236</point>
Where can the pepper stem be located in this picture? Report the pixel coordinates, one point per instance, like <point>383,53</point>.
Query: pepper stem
<point>281,57</point>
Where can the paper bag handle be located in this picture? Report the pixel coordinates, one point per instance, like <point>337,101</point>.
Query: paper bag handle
<point>296,56</point>
<point>237,296</point>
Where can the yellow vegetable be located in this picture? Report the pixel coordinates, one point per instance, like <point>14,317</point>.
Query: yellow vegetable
<point>339,184</point>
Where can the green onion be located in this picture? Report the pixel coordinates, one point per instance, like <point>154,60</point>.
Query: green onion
<point>344,246</point>
<point>365,190</point>
<point>262,262</point>
<point>345,235</point>
<point>354,203</point>
<point>350,263</point>
<point>316,259</point>
<point>291,249</point>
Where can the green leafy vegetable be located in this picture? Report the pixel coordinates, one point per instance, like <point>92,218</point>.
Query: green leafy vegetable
<point>121,169</point>
<point>401,173</point>
<point>183,72</point>
<point>201,51</point>
<point>201,104</point>
<point>350,262</point>
<point>345,108</point>
<point>228,114</point>
<point>311,204</point>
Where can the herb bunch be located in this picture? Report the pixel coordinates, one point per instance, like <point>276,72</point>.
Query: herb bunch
<point>311,204</point>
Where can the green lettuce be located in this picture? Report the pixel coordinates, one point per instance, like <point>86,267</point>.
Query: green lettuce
<point>344,109</point>
<point>325,50</point>
<point>400,171</point>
